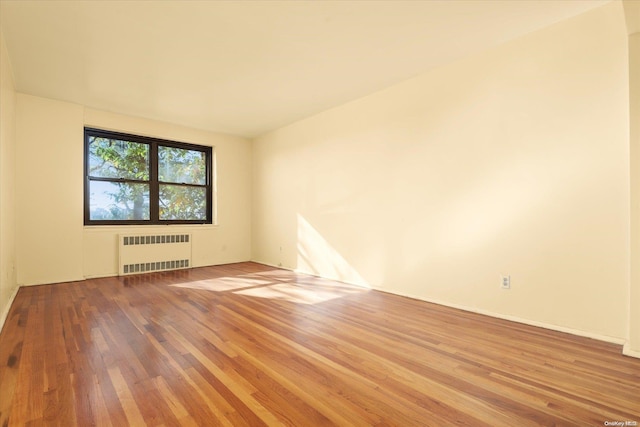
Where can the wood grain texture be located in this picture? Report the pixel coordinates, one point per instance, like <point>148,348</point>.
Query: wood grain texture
<point>250,345</point>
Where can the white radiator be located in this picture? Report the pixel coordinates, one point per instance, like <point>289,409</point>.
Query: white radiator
<point>153,252</point>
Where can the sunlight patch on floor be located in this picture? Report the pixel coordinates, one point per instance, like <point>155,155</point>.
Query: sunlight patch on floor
<point>300,294</point>
<point>222,284</point>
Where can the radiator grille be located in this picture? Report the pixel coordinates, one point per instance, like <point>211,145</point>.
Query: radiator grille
<point>153,252</point>
<point>155,239</point>
<point>145,267</point>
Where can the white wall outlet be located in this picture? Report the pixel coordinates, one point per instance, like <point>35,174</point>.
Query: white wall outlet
<point>506,282</point>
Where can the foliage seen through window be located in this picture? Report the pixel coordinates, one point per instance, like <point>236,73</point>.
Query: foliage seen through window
<point>138,180</point>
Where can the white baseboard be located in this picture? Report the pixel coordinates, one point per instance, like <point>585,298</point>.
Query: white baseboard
<point>600,337</point>
<point>100,276</point>
<point>550,326</point>
<point>54,282</point>
<point>268,264</point>
<point>626,350</point>
<point>7,308</point>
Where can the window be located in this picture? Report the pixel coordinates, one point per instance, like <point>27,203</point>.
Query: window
<point>132,179</point>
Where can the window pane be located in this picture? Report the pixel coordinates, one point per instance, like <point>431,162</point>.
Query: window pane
<point>113,158</point>
<point>114,201</point>
<point>182,166</point>
<point>183,203</point>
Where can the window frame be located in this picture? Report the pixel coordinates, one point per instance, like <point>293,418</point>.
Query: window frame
<point>154,182</point>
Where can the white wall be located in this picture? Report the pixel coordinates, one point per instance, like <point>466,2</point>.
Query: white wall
<point>515,161</point>
<point>227,241</point>
<point>54,246</point>
<point>48,190</point>
<point>7,172</point>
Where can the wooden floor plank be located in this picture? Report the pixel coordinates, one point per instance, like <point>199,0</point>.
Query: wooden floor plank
<point>247,345</point>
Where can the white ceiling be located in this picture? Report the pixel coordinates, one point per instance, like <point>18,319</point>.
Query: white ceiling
<point>247,67</point>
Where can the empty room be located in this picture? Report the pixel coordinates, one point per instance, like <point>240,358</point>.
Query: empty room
<point>307,213</point>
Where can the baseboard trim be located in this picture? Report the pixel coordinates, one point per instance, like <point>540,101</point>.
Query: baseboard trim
<point>101,276</point>
<point>536,323</point>
<point>268,264</point>
<point>115,274</point>
<point>627,351</point>
<point>7,309</point>
<point>600,337</point>
<point>57,281</point>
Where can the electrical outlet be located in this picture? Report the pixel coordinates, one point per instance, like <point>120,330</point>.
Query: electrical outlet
<point>506,282</point>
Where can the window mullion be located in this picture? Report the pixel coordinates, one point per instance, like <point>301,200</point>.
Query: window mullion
<point>154,188</point>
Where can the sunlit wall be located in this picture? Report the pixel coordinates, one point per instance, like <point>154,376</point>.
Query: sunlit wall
<point>512,162</point>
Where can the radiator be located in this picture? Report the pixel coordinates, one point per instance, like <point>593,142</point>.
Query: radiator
<point>153,252</point>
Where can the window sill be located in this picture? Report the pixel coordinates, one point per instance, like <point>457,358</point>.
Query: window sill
<point>146,228</point>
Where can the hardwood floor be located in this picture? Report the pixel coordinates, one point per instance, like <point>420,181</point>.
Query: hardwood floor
<point>246,344</point>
